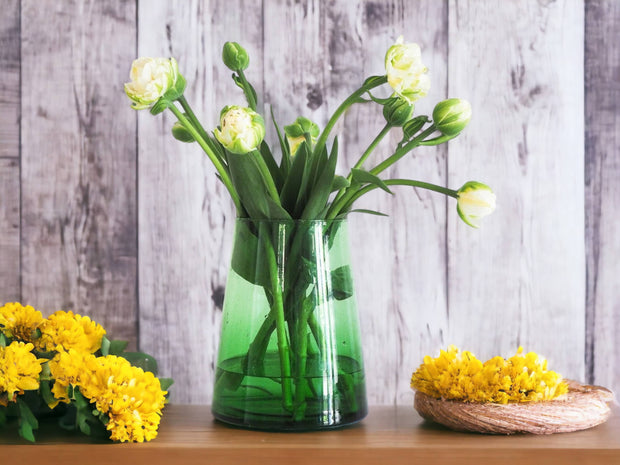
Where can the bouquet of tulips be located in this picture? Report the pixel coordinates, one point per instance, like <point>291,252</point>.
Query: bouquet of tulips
<point>303,183</point>
<point>283,196</point>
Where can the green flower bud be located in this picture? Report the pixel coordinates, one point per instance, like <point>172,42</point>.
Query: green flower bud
<point>474,201</point>
<point>151,78</point>
<point>397,111</point>
<point>180,132</point>
<point>241,129</point>
<point>451,116</point>
<point>297,132</point>
<point>235,57</point>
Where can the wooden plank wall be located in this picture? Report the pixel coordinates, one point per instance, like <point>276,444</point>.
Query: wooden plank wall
<point>102,212</point>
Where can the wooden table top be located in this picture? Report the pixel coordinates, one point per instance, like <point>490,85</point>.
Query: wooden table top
<point>391,435</point>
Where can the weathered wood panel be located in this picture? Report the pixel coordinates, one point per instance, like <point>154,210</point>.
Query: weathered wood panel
<point>9,230</point>
<point>186,216</point>
<point>78,161</point>
<point>9,79</point>
<point>520,279</point>
<point>424,279</point>
<point>9,152</point>
<point>602,191</point>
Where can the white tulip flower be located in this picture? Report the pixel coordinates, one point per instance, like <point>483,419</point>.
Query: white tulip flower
<point>150,79</point>
<point>241,129</point>
<point>406,73</point>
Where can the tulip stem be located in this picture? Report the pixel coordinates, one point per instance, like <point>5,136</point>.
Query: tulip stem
<point>345,201</point>
<point>194,120</point>
<point>221,169</point>
<point>401,152</point>
<point>402,182</point>
<point>364,156</point>
<point>354,97</point>
<point>372,146</point>
<point>247,90</point>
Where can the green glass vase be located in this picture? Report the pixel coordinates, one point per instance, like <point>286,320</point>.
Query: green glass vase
<point>290,356</point>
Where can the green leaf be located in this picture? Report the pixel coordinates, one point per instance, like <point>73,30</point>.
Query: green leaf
<point>114,347</point>
<point>273,167</point>
<point>342,283</point>
<point>323,187</point>
<point>166,383</point>
<point>180,133</point>
<point>85,420</point>
<point>304,186</point>
<point>3,341</point>
<point>364,177</point>
<point>141,360</point>
<point>370,212</point>
<point>318,160</point>
<point>251,187</point>
<point>374,81</point>
<point>46,392</point>
<point>412,126</point>
<point>117,347</point>
<point>439,140</point>
<point>291,188</point>
<point>27,421</point>
<point>161,105</point>
<point>246,255</point>
<point>340,182</point>
<point>285,164</point>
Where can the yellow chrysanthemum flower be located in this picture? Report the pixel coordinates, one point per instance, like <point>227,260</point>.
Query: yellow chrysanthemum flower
<point>19,371</point>
<point>131,398</point>
<point>19,322</point>
<point>66,330</point>
<point>461,376</point>
<point>68,368</point>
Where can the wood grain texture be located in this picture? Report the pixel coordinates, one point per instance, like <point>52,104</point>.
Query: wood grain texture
<point>10,42</point>
<point>397,436</point>
<point>186,216</point>
<point>423,278</point>
<point>78,162</point>
<point>9,153</point>
<point>9,231</point>
<point>602,171</point>
<point>520,279</point>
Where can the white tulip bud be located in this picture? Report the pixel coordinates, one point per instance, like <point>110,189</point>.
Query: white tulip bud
<point>475,201</point>
<point>241,129</point>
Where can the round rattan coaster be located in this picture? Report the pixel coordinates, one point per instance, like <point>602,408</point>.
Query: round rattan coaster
<point>583,407</point>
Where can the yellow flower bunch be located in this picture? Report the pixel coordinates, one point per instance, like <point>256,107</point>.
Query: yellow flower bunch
<point>19,371</point>
<point>461,376</point>
<point>65,331</point>
<point>131,398</point>
<point>20,322</point>
<point>60,331</point>
<point>67,358</point>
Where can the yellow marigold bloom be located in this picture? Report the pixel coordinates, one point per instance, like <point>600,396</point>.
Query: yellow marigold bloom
<point>19,371</point>
<point>65,331</point>
<point>19,322</point>
<point>131,398</point>
<point>68,368</point>
<point>461,376</point>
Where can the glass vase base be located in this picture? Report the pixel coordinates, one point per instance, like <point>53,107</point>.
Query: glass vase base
<point>317,401</point>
